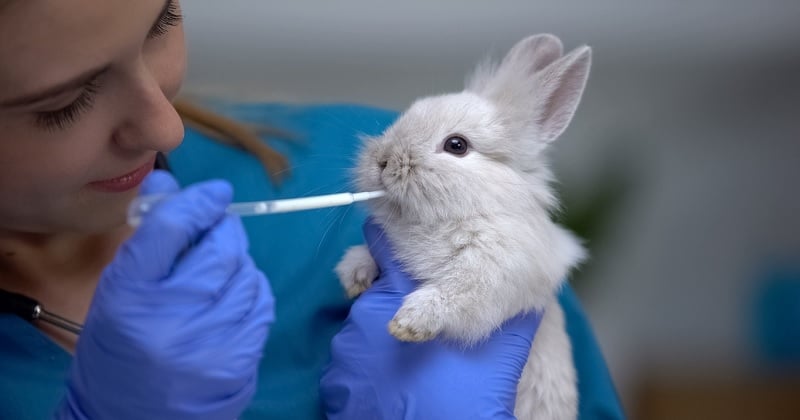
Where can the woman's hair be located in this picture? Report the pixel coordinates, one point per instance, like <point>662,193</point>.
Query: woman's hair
<point>236,133</point>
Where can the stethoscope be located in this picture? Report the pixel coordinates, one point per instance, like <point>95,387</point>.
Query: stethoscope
<point>30,310</point>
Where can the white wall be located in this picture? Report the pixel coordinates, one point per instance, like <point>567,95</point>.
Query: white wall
<point>698,99</point>
<point>388,53</point>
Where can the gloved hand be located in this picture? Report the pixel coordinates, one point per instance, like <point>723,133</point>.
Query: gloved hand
<point>372,375</point>
<point>179,318</point>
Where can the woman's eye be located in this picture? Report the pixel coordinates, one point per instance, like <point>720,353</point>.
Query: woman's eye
<point>456,145</point>
<point>171,16</point>
<point>62,118</point>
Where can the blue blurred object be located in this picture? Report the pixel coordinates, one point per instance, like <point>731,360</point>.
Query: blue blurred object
<point>777,317</point>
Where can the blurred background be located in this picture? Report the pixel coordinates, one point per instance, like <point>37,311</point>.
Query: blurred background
<point>681,166</point>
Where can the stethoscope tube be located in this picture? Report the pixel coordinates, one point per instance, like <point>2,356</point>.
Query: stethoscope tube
<point>30,310</point>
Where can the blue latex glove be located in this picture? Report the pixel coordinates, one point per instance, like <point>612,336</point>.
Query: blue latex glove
<point>179,318</point>
<point>372,375</point>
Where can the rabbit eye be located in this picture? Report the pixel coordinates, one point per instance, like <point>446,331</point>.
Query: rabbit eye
<point>456,145</point>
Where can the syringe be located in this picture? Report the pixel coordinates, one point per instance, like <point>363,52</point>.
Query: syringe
<point>144,204</point>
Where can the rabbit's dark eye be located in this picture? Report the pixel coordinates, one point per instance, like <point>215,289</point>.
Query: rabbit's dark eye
<point>456,145</point>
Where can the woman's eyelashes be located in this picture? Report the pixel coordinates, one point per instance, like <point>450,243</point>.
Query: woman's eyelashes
<point>170,16</point>
<point>62,118</point>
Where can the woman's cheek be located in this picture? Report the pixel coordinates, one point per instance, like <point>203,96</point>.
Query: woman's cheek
<point>58,156</point>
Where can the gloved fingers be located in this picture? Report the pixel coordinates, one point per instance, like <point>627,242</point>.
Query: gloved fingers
<point>207,267</point>
<point>523,326</point>
<point>379,247</point>
<point>246,296</point>
<point>392,279</point>
<point>252,313</point>
<point>213,339</point>
<point>159,182</point>
<point>512,344</point>
<point>171,228</point>
<point>240,317</point>
<point>389,288</point>
<point>264,302</point>
<point>509,350</point>
<point>190,213</point>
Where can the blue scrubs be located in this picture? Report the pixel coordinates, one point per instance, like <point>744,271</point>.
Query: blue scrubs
<point>297,251</point>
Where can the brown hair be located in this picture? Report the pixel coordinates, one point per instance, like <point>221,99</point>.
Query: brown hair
<point>236,133</point>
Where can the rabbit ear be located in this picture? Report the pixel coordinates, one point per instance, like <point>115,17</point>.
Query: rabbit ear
<point>534,52</point>
<point>526,57</point>
<point>534,85</point>
<point>558,90</point>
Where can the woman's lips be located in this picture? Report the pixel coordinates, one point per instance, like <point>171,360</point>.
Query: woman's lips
<point>125,182</point>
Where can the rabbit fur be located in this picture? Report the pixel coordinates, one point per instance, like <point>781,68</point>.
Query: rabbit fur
<point>475,228</point>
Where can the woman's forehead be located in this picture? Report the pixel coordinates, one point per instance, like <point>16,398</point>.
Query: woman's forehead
<point>48,41</point>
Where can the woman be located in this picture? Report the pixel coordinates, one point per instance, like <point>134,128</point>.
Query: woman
<point>174,314</point>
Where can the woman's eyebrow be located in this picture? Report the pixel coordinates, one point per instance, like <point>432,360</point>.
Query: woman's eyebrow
<point>61,88</point>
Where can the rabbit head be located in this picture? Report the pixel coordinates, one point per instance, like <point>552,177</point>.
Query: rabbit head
<point>481,150</point>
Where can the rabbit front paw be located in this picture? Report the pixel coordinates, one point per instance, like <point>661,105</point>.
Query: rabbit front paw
<point>420,317</point>
<point>357,270</point>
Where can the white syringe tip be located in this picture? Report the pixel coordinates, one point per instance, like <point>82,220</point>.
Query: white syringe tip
<point>368,195</point>
<point>145,204</point>
<point>142,205</point>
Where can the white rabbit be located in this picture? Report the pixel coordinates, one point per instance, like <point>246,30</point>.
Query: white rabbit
<point>467,208</point>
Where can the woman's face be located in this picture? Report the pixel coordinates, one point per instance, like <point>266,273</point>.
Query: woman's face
<point>85,90</point>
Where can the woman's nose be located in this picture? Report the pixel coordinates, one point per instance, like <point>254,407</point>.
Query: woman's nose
<point>151,122</point>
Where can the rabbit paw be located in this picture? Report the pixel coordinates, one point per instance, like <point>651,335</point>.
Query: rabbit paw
<point>357,270</point>
<point>419,319</point>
